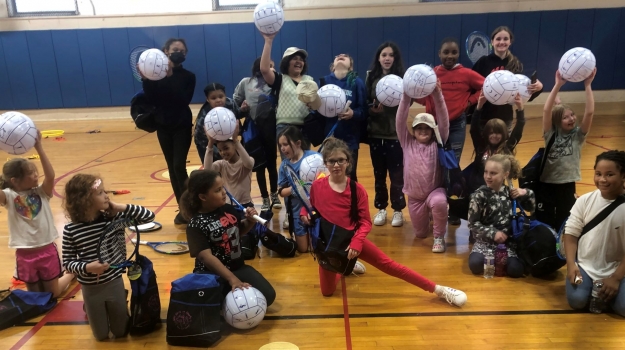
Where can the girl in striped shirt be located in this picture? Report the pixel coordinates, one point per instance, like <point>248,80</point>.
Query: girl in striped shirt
<point>90,210</point>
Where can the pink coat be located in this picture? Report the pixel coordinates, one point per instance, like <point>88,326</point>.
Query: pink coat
<point>422,171</point>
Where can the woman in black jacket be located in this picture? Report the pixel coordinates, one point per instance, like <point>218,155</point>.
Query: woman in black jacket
<point>171,96</point>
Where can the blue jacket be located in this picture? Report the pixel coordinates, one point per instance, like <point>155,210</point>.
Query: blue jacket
<point>349,130</point>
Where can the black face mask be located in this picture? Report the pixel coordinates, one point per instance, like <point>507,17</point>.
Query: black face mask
<point>177,57</point>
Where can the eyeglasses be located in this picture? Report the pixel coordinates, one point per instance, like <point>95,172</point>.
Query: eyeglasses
<point>333,162</point>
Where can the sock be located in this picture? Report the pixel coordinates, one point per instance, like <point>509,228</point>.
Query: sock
<point>438,290</point>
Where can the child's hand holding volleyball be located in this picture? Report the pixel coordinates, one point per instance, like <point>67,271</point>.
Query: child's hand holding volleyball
<point>38,144</point>
<point>518,102</point>
<point>590,78</point>
<point>481,100</point>
<point>559,80</point>
<point>236,283</point>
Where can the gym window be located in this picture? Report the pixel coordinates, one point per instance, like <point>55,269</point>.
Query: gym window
<point>227,5</point>
<point>38,8</point>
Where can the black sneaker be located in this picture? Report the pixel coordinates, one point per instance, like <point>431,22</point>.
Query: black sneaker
<point>179,220</point>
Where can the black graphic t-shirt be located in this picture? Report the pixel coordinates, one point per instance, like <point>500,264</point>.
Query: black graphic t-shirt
<point>219,232</point>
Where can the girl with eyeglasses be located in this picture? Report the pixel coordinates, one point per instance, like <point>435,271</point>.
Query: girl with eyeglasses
<point>332,199</point>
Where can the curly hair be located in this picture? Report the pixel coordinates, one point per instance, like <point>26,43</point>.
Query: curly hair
<point>78,192</point>
<point>618,157</point>
<point>15,168</point>
<point>199,182</point>
<point>508,163</point>
<point>331,145</point>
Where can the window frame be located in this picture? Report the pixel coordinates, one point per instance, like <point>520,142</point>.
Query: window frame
<point>218,7</point>
<point>12,11</point>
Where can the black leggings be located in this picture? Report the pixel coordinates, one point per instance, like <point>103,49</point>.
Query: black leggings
<point>175,143</point>
<point>249,275</point>
<point>268,136</point>
<point>554,203</point>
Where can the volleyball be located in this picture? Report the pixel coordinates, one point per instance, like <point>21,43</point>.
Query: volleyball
<point>419,81</point>
<point>311,167</point>
<point>268,17</point>
<point>220,123</point>
<point>389,90</point>
<point>18,133</point>
<point>577,64</point>
<point>154,64</point>
<point>524,82</point>
<point>244,308</point>
<point>500,87</point>
<point>333,100</point>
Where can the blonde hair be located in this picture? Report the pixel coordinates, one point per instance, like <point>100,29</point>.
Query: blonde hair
<point>557,113</point>
<point>78,192</point>
<point>508,164</point>
<point>15,168</point>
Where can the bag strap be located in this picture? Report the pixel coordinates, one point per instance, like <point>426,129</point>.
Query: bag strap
<point>544,160</point>
<point>602,215</point>
<point>353,213</point>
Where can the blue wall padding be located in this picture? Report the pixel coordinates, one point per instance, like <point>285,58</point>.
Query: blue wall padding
<point>90,67</point>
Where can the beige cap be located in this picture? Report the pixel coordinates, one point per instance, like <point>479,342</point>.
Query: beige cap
<point>427,119</point>
<point>307,92</point>
<point>293,50</point>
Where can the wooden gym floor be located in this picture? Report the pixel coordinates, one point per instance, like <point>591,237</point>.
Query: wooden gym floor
<point>372,311</point>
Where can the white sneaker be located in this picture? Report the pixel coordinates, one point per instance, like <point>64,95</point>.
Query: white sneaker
<point>453,296</point>
<point>285,224</point>
<point>439,245</point>
<point>380,218</point>
<point>359,268</point>
<point>398,219</point>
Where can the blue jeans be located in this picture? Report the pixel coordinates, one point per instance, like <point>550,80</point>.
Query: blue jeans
<point>457,135</point>
<point>578,295</point>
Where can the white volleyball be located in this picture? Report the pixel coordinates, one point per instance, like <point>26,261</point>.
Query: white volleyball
<point>333,100</point>
<point>18,133</point>
<point>500,87</point>
<point>220,123</point>
<point>577,64</point>
<point>419,81</point>
<point>268,17</point>
<point>154,64</point>
<point>389,90</point>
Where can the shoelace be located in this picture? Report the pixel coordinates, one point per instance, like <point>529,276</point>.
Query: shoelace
<point>449,295</point>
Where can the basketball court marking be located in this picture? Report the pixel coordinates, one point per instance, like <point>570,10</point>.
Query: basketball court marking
<point>26,337</point>
<point>348,333</point>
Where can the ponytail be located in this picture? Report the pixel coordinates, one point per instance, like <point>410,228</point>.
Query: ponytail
<point>508,164</point>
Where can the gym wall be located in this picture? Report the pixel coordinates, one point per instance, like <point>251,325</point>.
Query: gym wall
<point>83,61</point>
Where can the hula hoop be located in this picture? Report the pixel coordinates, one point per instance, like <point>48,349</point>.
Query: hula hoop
<point>52,133</point>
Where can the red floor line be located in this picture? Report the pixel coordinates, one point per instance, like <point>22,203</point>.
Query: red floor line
<point>348,333</point>
<point>26,337</point>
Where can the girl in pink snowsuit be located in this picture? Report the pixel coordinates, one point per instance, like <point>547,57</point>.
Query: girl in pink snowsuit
<point>423,175</point>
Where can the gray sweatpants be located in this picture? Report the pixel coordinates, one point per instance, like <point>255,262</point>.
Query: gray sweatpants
<point>106,308</point>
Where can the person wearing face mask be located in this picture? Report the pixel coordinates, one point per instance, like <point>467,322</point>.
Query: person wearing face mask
<point>171,97</point>
<point>502,59</point>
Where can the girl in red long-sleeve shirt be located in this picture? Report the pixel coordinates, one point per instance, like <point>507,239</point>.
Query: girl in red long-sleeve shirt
<point>331,198</point>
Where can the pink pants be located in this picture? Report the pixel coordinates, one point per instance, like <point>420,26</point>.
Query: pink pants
<point>436,202</point>
<point>374,256</point>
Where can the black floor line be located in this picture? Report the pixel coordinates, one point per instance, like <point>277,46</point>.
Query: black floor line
<point>377,315</point>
